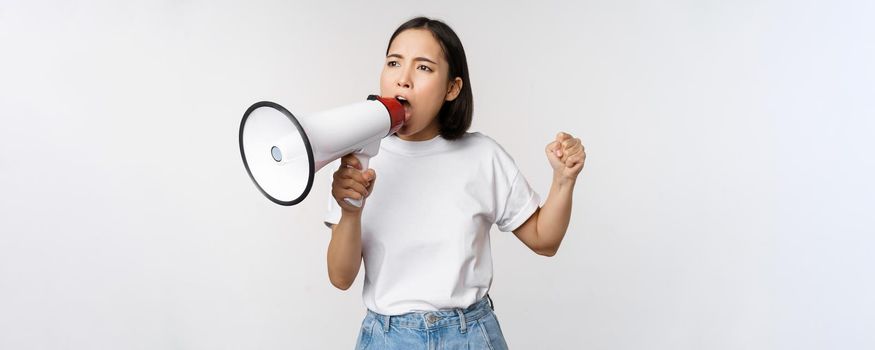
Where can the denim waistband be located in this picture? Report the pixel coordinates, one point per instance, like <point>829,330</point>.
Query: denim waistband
<point>436,319</point>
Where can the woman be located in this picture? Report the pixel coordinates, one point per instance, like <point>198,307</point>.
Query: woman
<point>424,236</point>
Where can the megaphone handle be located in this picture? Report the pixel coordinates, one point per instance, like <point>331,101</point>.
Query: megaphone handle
<point>363,159</point>
<point>364,156</point>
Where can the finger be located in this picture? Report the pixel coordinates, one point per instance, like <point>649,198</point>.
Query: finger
<point>569,148</point>
<point>575,168</point>
<point>340,194</point>
<point>567,144</point>
<point>355,186</point>
<point>552,147</point>
<point>358,175</point>
<point>344,172</point>
<point>572,161</point>
<point>351,195</point>
<point>370,185</point>
<point>369,175</point>
<point>571,143</point>
<point>355,174</point>
<point>573,152</point>
<point>350,160</point>
<point>574,147</point>
<point>561,136</point>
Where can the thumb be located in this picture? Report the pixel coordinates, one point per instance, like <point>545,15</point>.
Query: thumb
<point>554,148</point>
<point>370,175</point>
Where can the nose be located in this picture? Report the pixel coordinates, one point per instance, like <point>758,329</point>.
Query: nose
<point>403,80</point>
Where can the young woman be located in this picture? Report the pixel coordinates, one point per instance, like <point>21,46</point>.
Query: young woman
<point>424,235</point>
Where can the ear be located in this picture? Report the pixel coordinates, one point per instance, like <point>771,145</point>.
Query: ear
<point>454,88</point>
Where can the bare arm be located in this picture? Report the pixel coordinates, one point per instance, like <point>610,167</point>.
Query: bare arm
<point>544,230</point>
<point>345,249</point>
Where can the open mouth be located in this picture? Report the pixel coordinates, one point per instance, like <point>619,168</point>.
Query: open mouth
<point>406,105</point>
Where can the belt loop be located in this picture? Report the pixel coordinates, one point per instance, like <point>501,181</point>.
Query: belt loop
<point>462,322</point>
<point>386,319</point>
<point>491,305</point>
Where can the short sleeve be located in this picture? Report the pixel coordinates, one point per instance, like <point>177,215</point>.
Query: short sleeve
<point>332,216</point>
<point>518,205</point>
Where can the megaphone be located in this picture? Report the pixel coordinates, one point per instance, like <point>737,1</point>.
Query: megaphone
<point>282,153</point>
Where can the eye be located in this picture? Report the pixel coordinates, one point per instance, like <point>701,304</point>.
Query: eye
<point>424,67</point>
<point>392,64</point>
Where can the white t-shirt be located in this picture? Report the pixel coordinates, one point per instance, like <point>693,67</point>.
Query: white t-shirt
<point>425,225</point>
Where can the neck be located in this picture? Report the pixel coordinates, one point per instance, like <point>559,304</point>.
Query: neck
<point>426,134</point>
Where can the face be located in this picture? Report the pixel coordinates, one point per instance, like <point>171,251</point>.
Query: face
<point>416,73</point>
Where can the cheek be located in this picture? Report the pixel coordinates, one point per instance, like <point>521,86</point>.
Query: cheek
<point>385,82</point>
<point>430,84</point>
<point>434,93</point>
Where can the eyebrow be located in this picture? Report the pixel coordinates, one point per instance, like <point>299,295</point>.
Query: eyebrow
<point>415,59</point>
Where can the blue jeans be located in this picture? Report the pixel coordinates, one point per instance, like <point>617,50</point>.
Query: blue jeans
<point>473,328</point>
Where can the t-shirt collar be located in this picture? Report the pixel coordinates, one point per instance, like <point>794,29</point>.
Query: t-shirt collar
<point>395,144</point>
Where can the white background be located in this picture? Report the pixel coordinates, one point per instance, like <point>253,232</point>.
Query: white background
<point>726,203</point>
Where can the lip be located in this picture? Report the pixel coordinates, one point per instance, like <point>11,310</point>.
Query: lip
<point>406,112</point>
<point>407,107</point>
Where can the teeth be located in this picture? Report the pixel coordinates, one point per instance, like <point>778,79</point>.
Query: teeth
<point>401,98</point>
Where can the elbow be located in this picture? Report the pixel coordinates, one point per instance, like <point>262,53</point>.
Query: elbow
<point>340,280</point>
<point>547,251</point>
<point>340,283</point>
<point>340,275</point>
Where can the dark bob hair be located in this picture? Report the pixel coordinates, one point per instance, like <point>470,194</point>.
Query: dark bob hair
<point>454,116</point>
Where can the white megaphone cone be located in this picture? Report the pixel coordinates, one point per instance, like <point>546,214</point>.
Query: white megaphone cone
<point>282,153</point>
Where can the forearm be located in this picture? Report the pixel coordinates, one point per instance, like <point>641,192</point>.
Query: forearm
<point>345,250</point>
<point>554,216</point>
